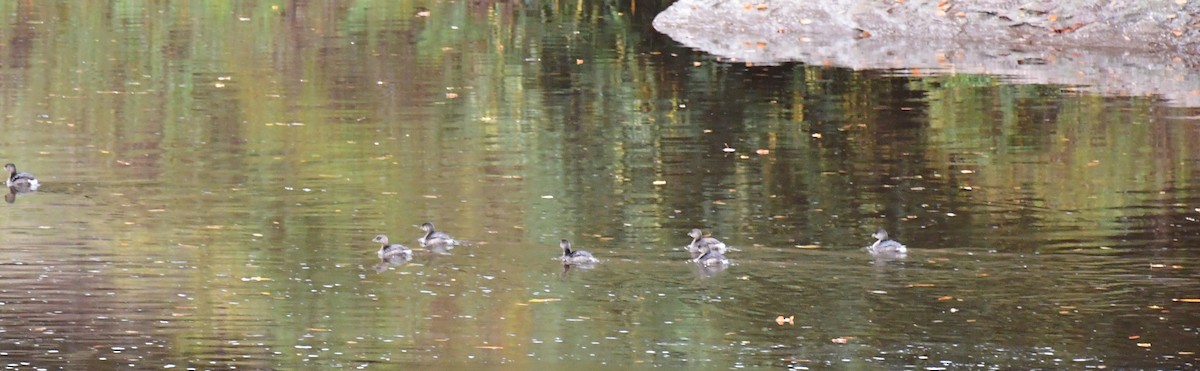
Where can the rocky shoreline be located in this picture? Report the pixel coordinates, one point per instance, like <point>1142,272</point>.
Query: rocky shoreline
<point>1119,48</point>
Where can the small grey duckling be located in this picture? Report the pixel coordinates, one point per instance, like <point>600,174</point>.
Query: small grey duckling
<point>570,257</point>
<point>885,246</point>
<point>711,257</point>
<point>20,181</point>
<point>700,243</point>
<point>388,251</point>
<point>433,237</point>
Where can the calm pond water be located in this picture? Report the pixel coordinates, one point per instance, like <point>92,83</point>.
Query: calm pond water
<point>213,174</point>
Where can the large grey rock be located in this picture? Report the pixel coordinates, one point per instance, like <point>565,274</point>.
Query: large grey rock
<point>1116,47</point>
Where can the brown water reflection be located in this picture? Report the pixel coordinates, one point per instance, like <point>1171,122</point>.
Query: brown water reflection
<point>213,175</point>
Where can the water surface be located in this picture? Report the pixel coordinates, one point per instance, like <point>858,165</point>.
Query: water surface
<point>213,175</point>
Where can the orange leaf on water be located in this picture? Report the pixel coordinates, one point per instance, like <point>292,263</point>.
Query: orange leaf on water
<point>944,298</point>
<point>791,320</point>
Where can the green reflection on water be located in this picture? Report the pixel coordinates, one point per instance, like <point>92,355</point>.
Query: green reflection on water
<point>214,172</point>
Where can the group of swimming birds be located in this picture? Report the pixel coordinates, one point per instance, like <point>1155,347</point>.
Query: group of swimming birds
<point>705,251</point>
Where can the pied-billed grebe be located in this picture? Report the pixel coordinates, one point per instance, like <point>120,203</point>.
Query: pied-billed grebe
<point>434,238</point>
<point>700,244</point>
<point>885,246</point>
<point>575,256</point>
<point>20,181</point>
<point>388,251</point>
<point>710,257</point>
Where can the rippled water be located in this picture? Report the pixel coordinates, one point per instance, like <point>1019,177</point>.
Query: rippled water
<point>213,176</point>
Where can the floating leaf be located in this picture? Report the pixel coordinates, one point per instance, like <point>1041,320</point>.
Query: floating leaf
<point>1187,300</point>
<point>944,298</point>
<point>791,320</point>
<point>660,182</point>
<point>546,300</point>
<point>921,285</point>
<point>492,347</point>
<point>839,340</point>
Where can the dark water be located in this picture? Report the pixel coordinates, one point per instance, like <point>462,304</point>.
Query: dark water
<point>213,174</point>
